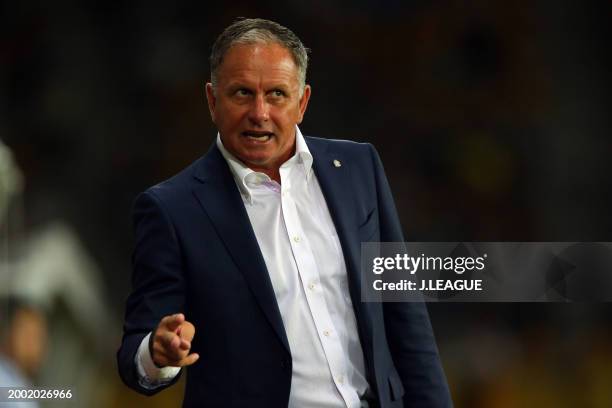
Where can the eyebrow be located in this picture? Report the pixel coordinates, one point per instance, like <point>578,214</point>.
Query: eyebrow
<point>234,86</point>
<point>280,86</point>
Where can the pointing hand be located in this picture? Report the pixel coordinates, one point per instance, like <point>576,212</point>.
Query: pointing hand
<point>171,342</point>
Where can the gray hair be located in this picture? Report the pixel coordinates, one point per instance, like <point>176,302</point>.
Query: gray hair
<point>258,31</point>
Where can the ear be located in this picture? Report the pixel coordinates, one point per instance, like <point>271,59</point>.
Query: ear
<point>212,100</point>
<point>304,103</point>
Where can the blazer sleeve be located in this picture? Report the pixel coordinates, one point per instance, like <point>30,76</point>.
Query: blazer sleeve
<point>158,287</point>
<point>408,329</point>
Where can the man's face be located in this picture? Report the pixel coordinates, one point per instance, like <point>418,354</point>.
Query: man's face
<point>257,104</point>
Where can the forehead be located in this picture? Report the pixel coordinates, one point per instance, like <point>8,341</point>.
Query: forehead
<point>259,62</point>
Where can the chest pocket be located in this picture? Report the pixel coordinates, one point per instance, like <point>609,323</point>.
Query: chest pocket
<point>370,228</point>
<point>397,389</point>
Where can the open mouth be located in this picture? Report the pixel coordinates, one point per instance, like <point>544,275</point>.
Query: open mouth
<point>260,136</point>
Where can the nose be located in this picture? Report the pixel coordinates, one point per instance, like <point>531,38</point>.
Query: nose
<point>259,112</point>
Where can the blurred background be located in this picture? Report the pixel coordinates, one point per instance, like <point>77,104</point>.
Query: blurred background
<point>492,119</point>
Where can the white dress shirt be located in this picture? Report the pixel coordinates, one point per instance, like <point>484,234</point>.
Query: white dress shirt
<point>302,253</point>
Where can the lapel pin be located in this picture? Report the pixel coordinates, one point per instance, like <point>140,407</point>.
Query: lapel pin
<point>337,163</point>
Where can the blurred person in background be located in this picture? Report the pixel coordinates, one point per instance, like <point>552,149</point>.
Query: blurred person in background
<point>53,314</point>
<point>255,247</point>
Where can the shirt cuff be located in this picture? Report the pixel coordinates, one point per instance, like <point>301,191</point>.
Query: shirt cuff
<point>149,375</point>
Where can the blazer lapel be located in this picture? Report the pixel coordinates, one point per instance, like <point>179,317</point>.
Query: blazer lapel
<point>221,200</point>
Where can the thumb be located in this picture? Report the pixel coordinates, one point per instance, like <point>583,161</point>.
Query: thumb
<point>186,331</point>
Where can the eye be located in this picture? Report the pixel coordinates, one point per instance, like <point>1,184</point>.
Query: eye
<point>278,93</point>
<point>243,92</point>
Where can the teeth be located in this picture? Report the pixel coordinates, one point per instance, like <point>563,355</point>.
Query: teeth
<point>261,138</point>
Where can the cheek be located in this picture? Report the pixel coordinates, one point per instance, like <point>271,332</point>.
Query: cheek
<point>230,118</point>
<point>286,118</point>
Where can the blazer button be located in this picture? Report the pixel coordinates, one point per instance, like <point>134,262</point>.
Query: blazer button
<point>285,364</point>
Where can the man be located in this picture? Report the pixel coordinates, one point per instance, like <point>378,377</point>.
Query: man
<point>246,266</point>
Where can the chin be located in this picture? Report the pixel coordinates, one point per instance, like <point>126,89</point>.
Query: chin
<point>258,158</point>
<point>258,162</point>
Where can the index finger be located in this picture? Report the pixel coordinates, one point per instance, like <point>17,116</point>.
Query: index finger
<point>173,321</point>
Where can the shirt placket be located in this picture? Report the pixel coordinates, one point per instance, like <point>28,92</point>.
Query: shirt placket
<point>310,281</point>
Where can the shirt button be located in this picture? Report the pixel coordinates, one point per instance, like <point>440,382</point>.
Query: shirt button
<point>326,333</point>
<point>340,379</point>
<point>297,239</point>
<point>311,286</point>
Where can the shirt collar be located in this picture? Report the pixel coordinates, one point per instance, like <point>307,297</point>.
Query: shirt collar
<point>240,171</point>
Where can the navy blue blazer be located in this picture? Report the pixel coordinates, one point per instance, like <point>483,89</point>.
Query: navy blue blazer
<point>196,253</point>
